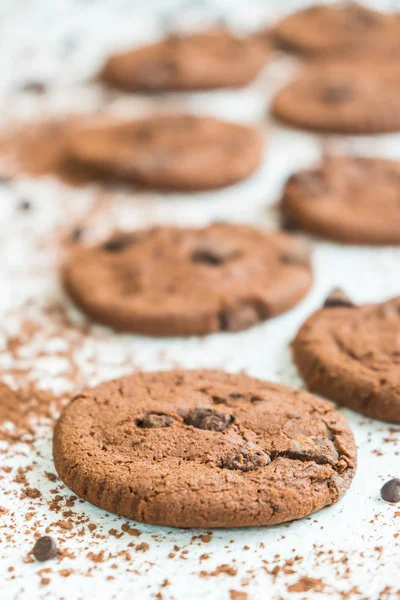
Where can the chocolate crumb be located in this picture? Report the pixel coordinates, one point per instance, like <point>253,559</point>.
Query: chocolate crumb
<point>25,205</point>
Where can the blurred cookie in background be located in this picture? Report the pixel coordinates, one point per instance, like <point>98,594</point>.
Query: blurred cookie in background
<point>175,151</point>
<point>201,61</point>
<point>345,28</point>
<point>171,281</point>
<point>347,199</point>
<point>356,97</point>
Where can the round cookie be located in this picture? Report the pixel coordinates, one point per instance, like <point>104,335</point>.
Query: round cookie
<point>203,449</point>
<point>347,199</point>
<point>338,97</point>
<point>179,151</point>
<point>171,281</point>
<point>351,354</point>
<point>344,29</point>
<point>202,61</point>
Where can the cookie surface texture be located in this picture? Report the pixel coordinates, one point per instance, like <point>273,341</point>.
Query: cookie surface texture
<point>347,199</point>
<point>351,354</point>
<point>203,449</point>
<point>183,281</point>
<point>176,151</point>
<point>201,61</point>
<point>354,97</point>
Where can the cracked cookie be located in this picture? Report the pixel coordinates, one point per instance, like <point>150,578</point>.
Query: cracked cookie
<point>341,29</point>
<point>202,61</point>
<point>173,151</point>
<point>342,97</point>
<point>351,354</point>
<point>347,199</point>
<point>228,450</point>
<point>186,281</point>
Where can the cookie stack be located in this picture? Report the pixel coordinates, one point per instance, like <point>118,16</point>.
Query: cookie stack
<point>203,448</point>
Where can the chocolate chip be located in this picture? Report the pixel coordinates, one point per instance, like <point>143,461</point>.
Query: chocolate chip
<point>206,257</point>
<point>247,459</point>
<point>119,242</point>
<point>77,234</point>
<point>45,548</point>
<point>213,253</point>
<point>287,222</point>
<point>257,400</point>
<point>219,400</point>
<point>391,490</point>
<point>209,419</point>
<point>153,421</point>
<point>337,297</point>
<point>25,205</point>
<point>336,94</point>
<point>34,87</point>
<point>322,451</point>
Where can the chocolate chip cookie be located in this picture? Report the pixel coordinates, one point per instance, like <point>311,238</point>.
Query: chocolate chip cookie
<point>355,97</point>
<point>177,151</point>
<point>203,449</point>
<point>202,61</point>
<point>351,354</point>
<point>347,199</point>
<point>171,281</point>
<point>344,28</point>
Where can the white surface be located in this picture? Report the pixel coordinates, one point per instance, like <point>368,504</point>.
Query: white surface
<point>63,42</point>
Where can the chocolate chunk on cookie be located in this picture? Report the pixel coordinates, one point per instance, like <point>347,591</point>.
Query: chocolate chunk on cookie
<point>347,199</point>
<point>351,354</point>
<point>203,417</point>
<point>223,461</point>
<point>154,420</point>
<point>356,97</point>
<point>337,297</point>
<point>178,151</point>
<point>173,281</point>
<point>202,61</point>
<point>340,29</point>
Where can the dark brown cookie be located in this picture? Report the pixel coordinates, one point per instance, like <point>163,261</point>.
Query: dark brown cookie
<point>177,151</point>
<point>202,61</point>
<point>222,450</point>
<point>351,354</point>
<point>342,97</point>
<point>171,281</point>
<point>347,199</point>
<point>341,29</point>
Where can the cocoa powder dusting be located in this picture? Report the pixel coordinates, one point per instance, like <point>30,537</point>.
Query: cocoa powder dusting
<point>47,138</point>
